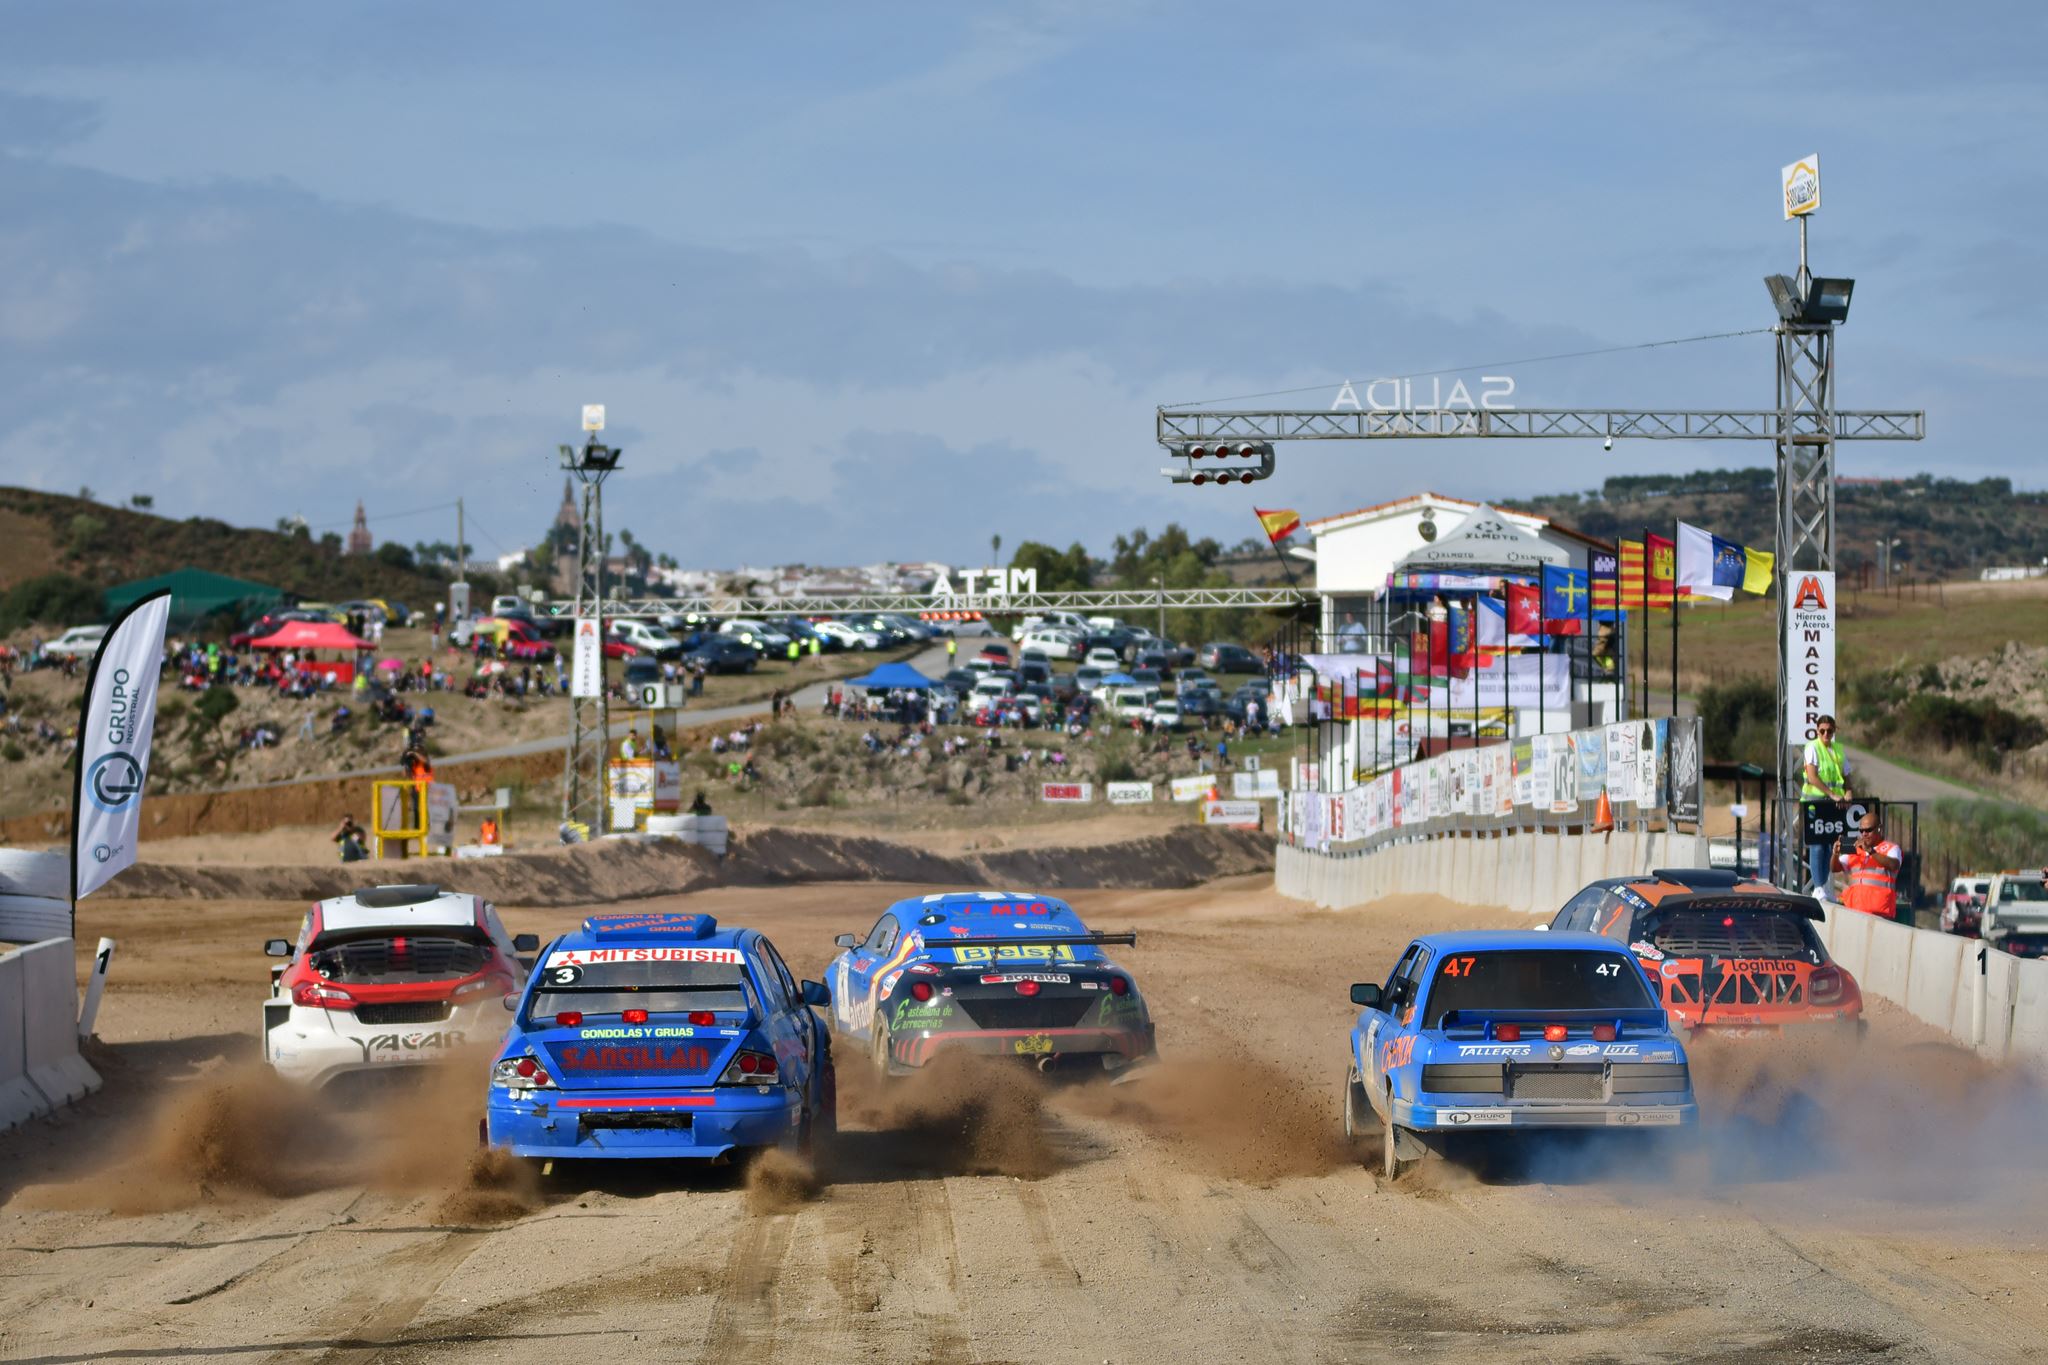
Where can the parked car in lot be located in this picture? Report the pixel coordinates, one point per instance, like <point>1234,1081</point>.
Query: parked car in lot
<point>1192,677</point>
<point>1054,644</point>
<point>2016,913</point>
<point>1197,707</point>
<point>997,653</point>
<point>758,634</point>
<point>1088,677</point>
<point>1962,910</point>
<point>1157,660</point>
<point>1104,658</point>
<point>79,642</point>
<point>803,632</point>
<point>991,689</point>
<point>1166,713</point>
<point>1148,677</point>
<point>851,636</point>
<point>645,638</point>
<point>723,654</point>
<point>1222,657</point>
<point>267,624</point>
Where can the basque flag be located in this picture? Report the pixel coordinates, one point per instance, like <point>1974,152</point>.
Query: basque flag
<point>1709,566</point>
<point>1567,601</point>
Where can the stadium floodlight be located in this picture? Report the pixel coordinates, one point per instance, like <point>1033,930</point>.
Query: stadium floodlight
<point>593,458</point>
<point>1822,299</point>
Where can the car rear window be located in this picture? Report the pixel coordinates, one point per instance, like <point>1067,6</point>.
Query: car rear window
<point>1534,979</point>
<point>2015,890</point>
<point>658,987</point>
<point>398,959</point>
<point>1735,931</point>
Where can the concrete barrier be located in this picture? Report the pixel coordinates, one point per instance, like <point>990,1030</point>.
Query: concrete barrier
<point>20,1101</point>
<point>48,1005</point>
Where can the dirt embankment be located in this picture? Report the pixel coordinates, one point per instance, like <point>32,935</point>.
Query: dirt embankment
<point>621,869</point>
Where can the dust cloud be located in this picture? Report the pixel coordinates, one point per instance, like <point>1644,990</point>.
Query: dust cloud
<point>1235,1116</point>
<point>958,1115</point>
<point>780,1182</point>
<point>246,1134</point>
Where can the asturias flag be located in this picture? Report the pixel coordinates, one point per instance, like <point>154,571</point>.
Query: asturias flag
<point>1567,601</point>
<point>1709,566</point>
<point>1279,524</point>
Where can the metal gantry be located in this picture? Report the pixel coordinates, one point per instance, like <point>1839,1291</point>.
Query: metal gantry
<point>918,603</point>
<point>1804,427</point>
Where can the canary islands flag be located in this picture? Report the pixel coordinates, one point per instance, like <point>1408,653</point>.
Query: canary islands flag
<point>1279,525</point>
<point>1709,566</point>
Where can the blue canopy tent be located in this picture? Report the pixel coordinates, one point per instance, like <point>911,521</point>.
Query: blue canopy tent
<point>1119,680</point>
<point>893,678</point>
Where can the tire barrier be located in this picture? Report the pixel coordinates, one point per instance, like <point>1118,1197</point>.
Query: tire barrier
<point>707,830</point>
<point>35,896</point>
<point>40,1068</point>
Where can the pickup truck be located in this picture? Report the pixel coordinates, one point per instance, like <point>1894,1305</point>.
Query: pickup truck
<point>2015,916</point>
<point>1963,907</point>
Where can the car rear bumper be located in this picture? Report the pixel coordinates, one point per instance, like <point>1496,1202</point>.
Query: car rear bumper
<point>316,1048</point>
<point>1474,1118</point>
<point>644,1125</point>
<point>1118,1047</point>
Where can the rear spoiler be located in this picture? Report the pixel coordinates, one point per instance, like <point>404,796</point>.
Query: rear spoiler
<point>1075,940</point>
<point>1782,903</point>
<point>1642,1018</point>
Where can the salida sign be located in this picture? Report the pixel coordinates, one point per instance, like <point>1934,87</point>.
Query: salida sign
<point>1809,651</point>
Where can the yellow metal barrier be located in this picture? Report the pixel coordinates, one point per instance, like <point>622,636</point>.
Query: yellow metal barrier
<point>398,813</point>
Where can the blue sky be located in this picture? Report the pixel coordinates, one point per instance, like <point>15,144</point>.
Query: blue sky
<point>878,281</point>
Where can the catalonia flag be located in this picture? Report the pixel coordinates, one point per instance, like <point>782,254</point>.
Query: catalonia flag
<point>1709,566</point>
<point>1279,524</point>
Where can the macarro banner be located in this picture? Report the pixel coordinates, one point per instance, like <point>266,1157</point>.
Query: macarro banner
<point>114,731</point>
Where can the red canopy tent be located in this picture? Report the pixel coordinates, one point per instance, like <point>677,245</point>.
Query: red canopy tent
<point>310,635</point>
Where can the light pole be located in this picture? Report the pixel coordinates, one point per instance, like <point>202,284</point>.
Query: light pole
<point>1160,583</point>
<point>583,788</point>
<point>1885,546</point>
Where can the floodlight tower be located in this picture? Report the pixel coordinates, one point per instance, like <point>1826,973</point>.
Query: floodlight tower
<point>1809,309</point>
<point>583,794</point>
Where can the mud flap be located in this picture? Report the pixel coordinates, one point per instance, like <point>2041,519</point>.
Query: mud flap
<point>1410,1145</point>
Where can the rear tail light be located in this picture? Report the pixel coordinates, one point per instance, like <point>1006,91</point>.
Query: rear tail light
<point>319,995</point>
<point>494,984</point>
<point>1827,985</point>
<point>703,1018</point>
<point>1027,988</point>
<point>633,1016</point>
<point>1507,1033</point>
<point>1603,1033</point>
<point>568,1018</point>
<point>750,1068</point>
<point>1554,1033</point>
<point>1119,985</point>
<point>920,990</point>
<point>522,1073</point>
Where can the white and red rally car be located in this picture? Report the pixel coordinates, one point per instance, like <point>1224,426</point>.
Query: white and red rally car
<point>390,977</point>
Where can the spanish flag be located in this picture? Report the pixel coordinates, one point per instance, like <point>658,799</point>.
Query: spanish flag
<point>1279,525</point>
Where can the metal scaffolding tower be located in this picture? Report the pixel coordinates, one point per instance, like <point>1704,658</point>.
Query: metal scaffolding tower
<point>583,793</point>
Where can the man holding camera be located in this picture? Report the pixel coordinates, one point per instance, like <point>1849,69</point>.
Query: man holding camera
<point>1871,866</point>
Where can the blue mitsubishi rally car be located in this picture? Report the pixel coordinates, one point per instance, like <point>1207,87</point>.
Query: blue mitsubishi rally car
<point>661,1035</point>
<point>1511,1029</point>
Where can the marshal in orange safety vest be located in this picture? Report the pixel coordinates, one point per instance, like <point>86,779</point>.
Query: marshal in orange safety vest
<point>489,833</point>
<point>1873,874</point>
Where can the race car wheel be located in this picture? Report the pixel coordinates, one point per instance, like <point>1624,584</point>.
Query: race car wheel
<point>879,1050</point>
<point>1391,1164</point>
<point>1358,1117</point>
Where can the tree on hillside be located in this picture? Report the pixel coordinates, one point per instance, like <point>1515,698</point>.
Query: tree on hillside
<point>1066,570</point>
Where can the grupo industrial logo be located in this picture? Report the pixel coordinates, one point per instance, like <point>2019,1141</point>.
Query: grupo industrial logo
<point>113,781</point>
<point>102,852</point>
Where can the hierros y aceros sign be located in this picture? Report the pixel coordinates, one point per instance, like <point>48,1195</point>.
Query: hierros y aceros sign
<point>1809,651</point>
<point>586,678</point>
<point>115,727</point>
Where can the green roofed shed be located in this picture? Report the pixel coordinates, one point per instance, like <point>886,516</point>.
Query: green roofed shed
<point>197,595</point>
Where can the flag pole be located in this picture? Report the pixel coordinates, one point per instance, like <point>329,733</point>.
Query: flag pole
<point>1674,621</point>
<point>1645,581</point>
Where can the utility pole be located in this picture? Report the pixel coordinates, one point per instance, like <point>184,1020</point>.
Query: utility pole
<point>458,590</point>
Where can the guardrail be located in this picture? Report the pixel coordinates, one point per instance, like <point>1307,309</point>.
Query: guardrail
<point>1987,1000</point>
<point>40,1069</point>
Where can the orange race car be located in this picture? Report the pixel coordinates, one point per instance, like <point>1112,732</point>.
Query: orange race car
<point>1723,952</point>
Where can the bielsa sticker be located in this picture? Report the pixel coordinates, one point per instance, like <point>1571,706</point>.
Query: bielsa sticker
<point>1010,978</point>
<point>592,957</point>
<point>1644,949</point>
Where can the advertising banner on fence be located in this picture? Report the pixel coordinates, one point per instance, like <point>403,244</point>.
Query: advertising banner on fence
<point>1530,680</point>
<point>1684,769</point>
<point>1255,786</point>
<point>1130,793</point>
<point>1199,788</point>
<point>1067,791</point>
<point>1809,651</point>
<point>114,731</point>
<point>1242,814</point>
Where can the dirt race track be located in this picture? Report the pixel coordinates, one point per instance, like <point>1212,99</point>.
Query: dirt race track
<point>1880,1204</point>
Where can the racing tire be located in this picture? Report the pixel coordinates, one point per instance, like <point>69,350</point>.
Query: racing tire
<point>1358,1115</point>
<point>1392,1138</point>
<point>878,1049</point>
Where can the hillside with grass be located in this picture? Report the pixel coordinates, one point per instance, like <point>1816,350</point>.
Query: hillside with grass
<point>1948,528</point>
<point>57,552</point>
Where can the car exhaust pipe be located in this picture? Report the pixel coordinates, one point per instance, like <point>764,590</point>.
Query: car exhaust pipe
<point>1045,1063</point>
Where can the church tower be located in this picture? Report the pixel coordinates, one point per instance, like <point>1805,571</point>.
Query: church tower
<point>359,542</point>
